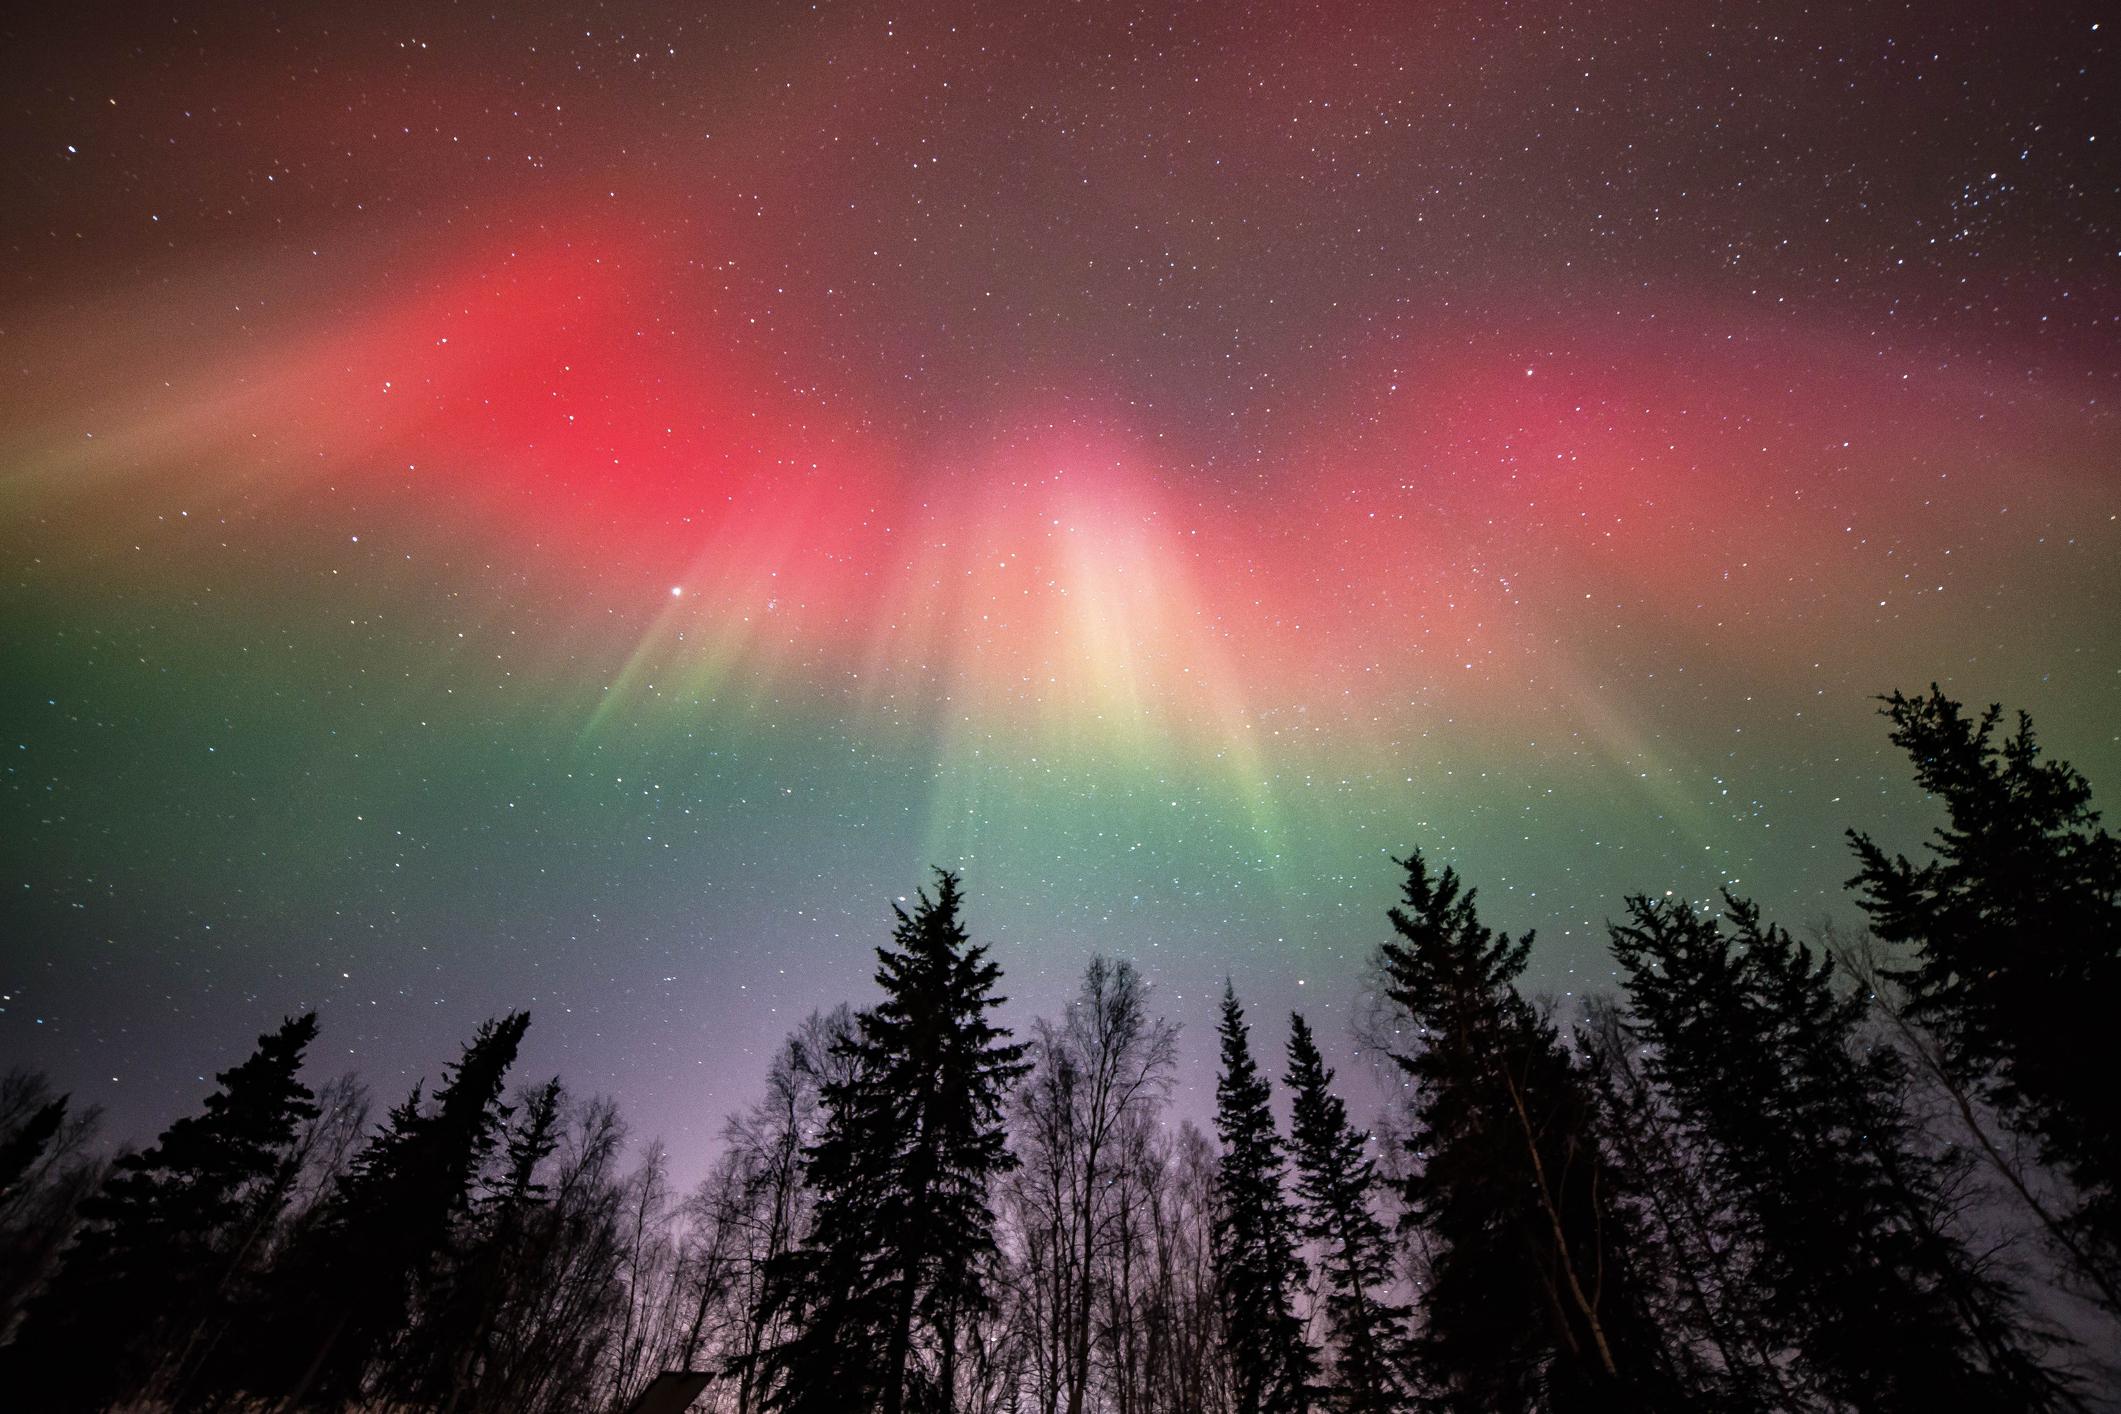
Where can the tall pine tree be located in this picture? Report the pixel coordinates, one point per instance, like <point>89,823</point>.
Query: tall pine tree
<point>448,1353</point>
<point>348,1289</point>
<point>163,1245</point>
<point>1764,1059</point>
<point>1258,1271</point>
<point>893,1265</point>
<point>1727,1353</point>
<point>25,1144</point>
<point>2014,920</point>
<point>1336,1180</point>
<point>1533,1298</point>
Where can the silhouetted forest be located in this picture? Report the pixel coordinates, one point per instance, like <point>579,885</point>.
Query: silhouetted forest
<point>1862,1170</point>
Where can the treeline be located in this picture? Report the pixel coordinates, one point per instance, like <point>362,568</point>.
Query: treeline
<point>1863,1172</point>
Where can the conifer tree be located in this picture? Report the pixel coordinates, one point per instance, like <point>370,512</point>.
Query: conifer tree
<point>1335,1181</point>
<point>39,1208</point>
<point>348,1288</point>
<point>1533,1298</point>
<point>2015,924</point>
<point>1258,1270</point>
<point>896,1256</point>
<point>452,1344</point>
<point>25,1144</point>
<point>1700,1279</point>
<point>1763,1058</point>
<point>153,1267</point>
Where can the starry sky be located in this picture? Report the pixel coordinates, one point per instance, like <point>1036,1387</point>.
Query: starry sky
<point>577,506</point>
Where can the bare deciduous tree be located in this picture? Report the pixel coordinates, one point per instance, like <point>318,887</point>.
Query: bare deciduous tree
<point>1100,1077</point>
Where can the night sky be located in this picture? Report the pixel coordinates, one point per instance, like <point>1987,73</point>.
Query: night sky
<point>577,507</point>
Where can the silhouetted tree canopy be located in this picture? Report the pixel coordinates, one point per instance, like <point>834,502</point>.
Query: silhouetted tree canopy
<point>913,1137</point>
<point>1872,1174</point>
<point>1257,1268</point>
<point>1533,1297</point>
<point>166,1242</point>
<point>2013,922</point>
<point>1752,1040</point>
<point>1336,1187</point>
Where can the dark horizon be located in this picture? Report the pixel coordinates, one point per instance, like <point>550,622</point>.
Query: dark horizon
<point>1869,1170</point>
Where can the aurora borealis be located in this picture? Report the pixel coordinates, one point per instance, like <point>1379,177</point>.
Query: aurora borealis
<point>577,507</point>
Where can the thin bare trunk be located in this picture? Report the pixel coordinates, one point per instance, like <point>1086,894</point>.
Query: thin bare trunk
<point>1585,1303</point>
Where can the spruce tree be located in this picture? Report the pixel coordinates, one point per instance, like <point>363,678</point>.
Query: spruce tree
<point>1335,1181</point>
<point>25,1144</point>
<point>1258,1270</point>
<point>1533,1298</point>
<point>901,1233</point>
<point>1702,1290</point>
<point>2014,920</point>
<point>347,1291</point>
<point>1765,1060</point>
<point>452,1345</point>
<point>39,1210</point>
<point>153,1269</point>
